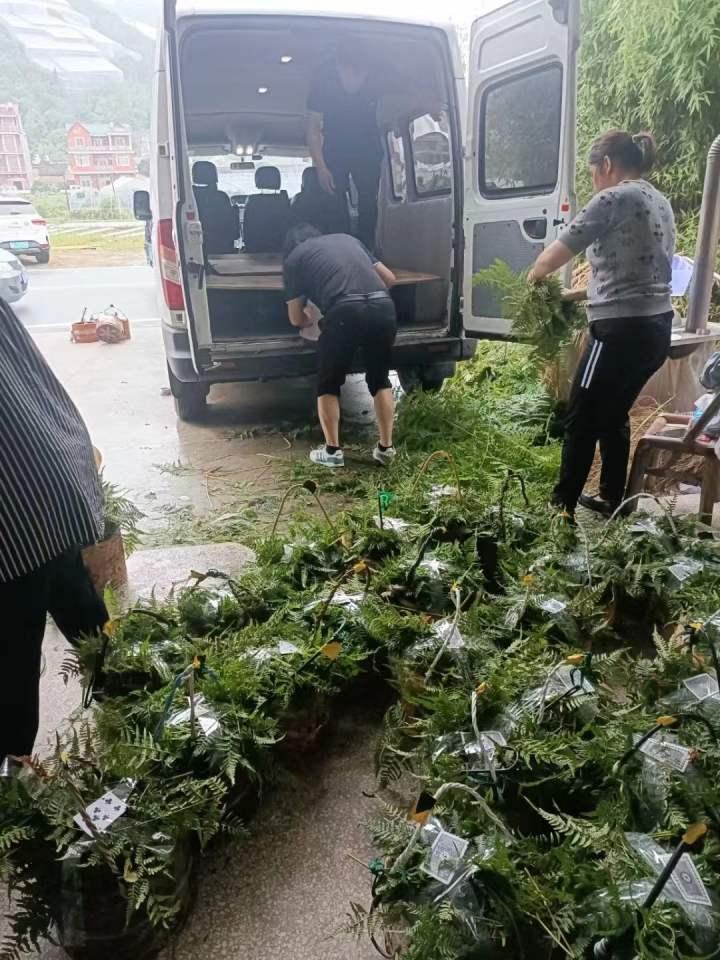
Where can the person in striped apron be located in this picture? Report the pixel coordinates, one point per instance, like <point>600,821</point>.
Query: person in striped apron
<point>628,233</point>
<point>51,506</point>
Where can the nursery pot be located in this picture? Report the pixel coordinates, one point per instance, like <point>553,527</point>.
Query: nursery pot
<point>105,562</point>
<point>94,922</point>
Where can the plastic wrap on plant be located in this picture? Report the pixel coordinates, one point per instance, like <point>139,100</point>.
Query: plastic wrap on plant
<point>392,523</point>
<point>685,886</point>
<point>444,633</point>
<point>283,648</point>
<point>646,526</point>
<point>576,564</point>
<point>441,491</point>
<point>682,570</point>
<point>712,628</point>
<point>205,717</point>
<point>557,609</point>
<point>433,566</point>
<point>351,601</point>
<point>564,680</point>
<point>478,756</point>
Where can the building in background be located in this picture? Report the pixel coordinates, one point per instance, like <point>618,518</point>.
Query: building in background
<point>15,167</point>
<point>60,39</point>
<point>99,153</point>
<point>49,173</point>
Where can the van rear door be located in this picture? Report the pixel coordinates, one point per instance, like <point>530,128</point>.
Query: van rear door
<point>186,228</point>
<point>520,146</point>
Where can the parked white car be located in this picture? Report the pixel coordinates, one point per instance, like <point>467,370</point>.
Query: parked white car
<point>13,279</point>
<point>22,229</point>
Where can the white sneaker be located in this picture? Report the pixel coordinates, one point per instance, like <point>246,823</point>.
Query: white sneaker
<point>384,457</point>
<point>320,455</point>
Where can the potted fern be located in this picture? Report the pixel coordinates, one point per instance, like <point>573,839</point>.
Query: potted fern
<point>105,560</point>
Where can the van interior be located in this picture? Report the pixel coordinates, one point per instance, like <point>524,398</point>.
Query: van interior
<point>245,127</point>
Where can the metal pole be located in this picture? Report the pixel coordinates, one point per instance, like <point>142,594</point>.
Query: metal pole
<point>707,242</point>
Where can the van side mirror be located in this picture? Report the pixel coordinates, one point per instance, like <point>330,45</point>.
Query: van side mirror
<point>141,205</point>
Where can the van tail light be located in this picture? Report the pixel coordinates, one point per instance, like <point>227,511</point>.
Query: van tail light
<point>38,222</point>
<point>169,269</point>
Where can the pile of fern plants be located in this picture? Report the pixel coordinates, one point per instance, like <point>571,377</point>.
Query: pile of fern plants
<point>527,657</point>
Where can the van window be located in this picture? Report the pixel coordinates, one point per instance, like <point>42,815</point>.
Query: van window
<point>520,134</point>
<point>398,167</point>
<point>432,163</point>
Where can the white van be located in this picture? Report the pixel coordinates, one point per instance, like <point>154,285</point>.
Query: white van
<point>465,179</point>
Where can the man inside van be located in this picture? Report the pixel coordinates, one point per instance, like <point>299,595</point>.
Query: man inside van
<point>350,288</point>
<point>343,136</point>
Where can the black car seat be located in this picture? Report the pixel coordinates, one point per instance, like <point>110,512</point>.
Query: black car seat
<point>219,219</point>
<point>267,215</point>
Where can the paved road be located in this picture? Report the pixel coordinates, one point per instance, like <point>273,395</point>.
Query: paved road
<point>57,297</point>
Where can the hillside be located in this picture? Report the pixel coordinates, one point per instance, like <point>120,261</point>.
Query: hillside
<point>47,107</point>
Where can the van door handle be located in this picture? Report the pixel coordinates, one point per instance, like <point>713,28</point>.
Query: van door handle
<point>559,223</point>
<point>536,228</point>
<point>197,269</point>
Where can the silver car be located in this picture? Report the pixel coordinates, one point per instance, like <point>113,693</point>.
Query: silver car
<point>13,279</point>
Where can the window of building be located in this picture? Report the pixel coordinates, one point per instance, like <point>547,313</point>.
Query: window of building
<point>123,160</point>
<point>99,141</point>
<point>8,124</point>
<point>100,161</point>
<point>398,167</point>
<point>78,142</point>
<point>82,160</point>
<point>520,134</point>
<point>3,164</point>
<point>432,160</point>
<point>85,181</point>
<point>10,143</point>
<point>121,141</point>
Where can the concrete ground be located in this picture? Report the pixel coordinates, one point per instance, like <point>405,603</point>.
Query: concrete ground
<point>284,893</point>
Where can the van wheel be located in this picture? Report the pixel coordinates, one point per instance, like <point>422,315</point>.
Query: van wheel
<point>43,257</point>
<point>190,398</point>
<point>428,379</point>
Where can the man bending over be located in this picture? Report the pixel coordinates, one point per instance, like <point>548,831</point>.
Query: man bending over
<point>350,288</point>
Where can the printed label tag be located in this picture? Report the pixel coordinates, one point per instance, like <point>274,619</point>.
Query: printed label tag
<point>688,882</point>
<point>703,686</point>
<point>669,754</point>
<point>102,813</point>
<point>550,605</point>
<point>445,856</point>
<point>283,648</point>
<point>685,568</point>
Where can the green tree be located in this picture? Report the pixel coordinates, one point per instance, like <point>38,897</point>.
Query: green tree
<point>654,65</point>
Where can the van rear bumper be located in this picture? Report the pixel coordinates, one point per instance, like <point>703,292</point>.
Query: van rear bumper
<point>276,360</point>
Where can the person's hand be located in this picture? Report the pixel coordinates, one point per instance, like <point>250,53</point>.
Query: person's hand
<point>325,179</point>
<point>309,315</point>
<point>532,276</point>
<point>573,296</point>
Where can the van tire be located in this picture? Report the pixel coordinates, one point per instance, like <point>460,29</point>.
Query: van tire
<point>43,257</point>
<point>427,379</point>
<point>190,398</point>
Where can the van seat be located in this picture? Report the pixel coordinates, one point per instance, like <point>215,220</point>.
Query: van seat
<point>219,219</point>
<point>267,215</point>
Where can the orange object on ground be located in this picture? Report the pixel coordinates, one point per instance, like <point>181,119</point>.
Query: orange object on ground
<point>84,331</point>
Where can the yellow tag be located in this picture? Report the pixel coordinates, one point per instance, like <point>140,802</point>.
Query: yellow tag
<point>528,579</point>
<point>422,817</point>
<point>697,625</point>
<point>129,875</point>
<point>360,567</point>
<point>575,659</point>
<point>196,663</point>
<point>666,721</point>
<point>109,628</point>
<point>694,832</point>
<point>64,757</point>
<point>481,689</point>
<point>331,650</point>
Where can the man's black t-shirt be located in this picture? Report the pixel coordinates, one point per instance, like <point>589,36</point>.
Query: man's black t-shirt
<point>349,119</point>
<point>326,269</point>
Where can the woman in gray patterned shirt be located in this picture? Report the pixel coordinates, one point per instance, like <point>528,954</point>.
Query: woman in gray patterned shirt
<point>628,233</point>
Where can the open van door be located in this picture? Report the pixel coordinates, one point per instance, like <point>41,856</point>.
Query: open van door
<point>520,142</point>
<point>183,236</point>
